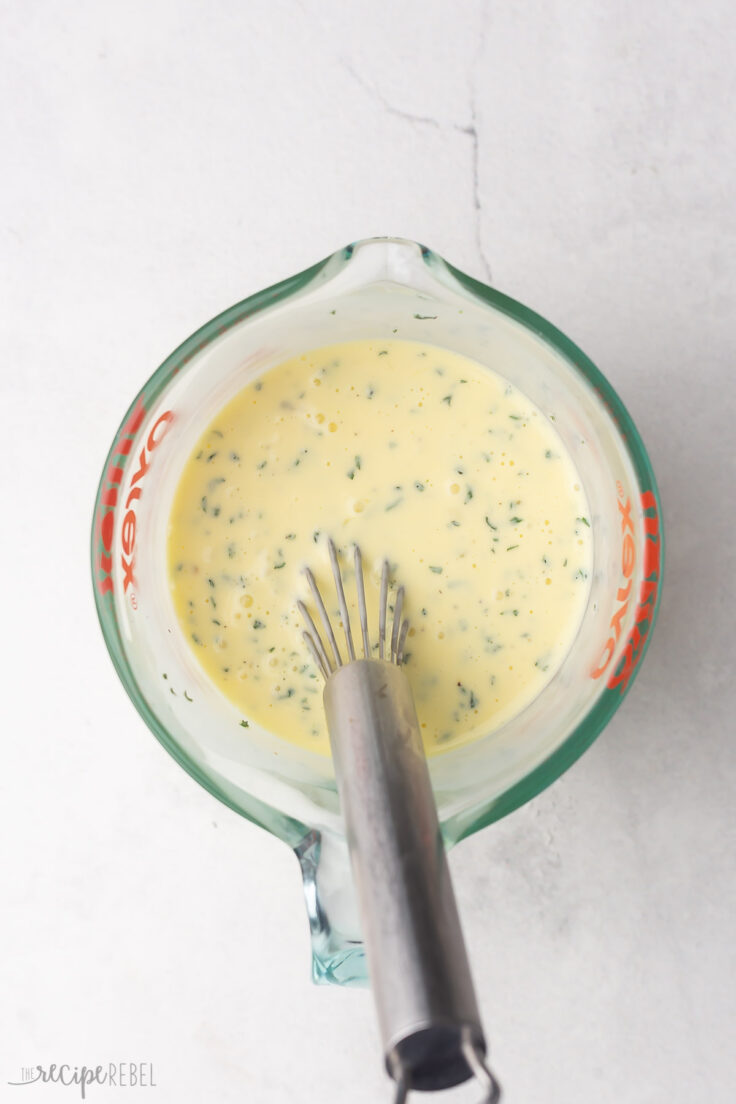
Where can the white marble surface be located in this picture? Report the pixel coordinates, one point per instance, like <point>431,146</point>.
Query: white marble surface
<point>162,160</point>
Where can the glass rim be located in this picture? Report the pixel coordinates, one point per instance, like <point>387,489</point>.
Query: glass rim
<point>459,825</point>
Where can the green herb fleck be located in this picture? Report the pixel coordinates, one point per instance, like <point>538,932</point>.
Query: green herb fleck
<point>383,352</point>
<point>490,524</point>
<point>419,486</point>
<point>468,494</point>
<point>516,520</point>
<point>258,624</point>
<point>245,724</point>
<point>448,399</point>
<point>584,521</point>
<point>425,317</point>
<point>393,505</point>
<point>211,457</point>
<point>278,566</point>
<point>437,570</point>
<point>187,697</point>
<point>511,547</point>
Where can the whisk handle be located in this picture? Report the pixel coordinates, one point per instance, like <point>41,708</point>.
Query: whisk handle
<point>420,975</point>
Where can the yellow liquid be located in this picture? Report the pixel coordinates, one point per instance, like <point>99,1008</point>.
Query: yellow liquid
<point>416,454</point>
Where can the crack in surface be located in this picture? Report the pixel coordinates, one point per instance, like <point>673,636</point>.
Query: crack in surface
<point>385,104</point>
<point>470,130</point>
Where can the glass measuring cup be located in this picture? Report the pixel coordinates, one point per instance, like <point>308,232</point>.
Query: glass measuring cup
<point>379,288</point>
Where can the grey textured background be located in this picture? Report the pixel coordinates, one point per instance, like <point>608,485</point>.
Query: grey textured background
<point>164,160</point>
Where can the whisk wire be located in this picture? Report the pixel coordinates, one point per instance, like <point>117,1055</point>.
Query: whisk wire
<point>327,625</point>
<point>382,603</point>
<point>341,598</point>
<point>315,639</point>
<point>398,604</point>
<point>362,611</point>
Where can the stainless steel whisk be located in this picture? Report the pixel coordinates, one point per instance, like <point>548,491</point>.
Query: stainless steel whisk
<point>420,975</point>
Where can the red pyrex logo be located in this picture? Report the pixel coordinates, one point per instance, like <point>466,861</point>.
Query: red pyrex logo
<point>109,497</point>
<point>647,593</point>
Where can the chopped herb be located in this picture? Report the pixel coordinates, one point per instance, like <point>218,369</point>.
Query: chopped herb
<point>258,624</point>
<point>437,570</point>
<point>258,385</point>
<point>358,462</point>
<point>245,724</point>
<point>516,520</point>
<point>262,465</point>
<point>425,317</point>
<point>187,697</point>
<point>211,582</point>
<point>217,433</point>
<point>216,622</point>
<point>315,535</point>
<point>511,547</point>
<point>419,486</point>
<point>490,524</point>
<point>515,417</point>
<point>455,524</point>
<point>234,456</point>
<point>468,494</point>
<point>231,550</point>
<point>165,675</point>
<point>383,352</point>
<point>204,503</point>
<point>448,399</point>
<point>290,536</point>
<point>393,505</point>
<point>215,511</point>
<point>196,639</point>
<point>548,454</point>
<point>584,521</point>
<point>211,457</point>
<point>278,566</point>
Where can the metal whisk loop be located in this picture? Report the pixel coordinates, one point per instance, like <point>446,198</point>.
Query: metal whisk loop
<point>313,638</point>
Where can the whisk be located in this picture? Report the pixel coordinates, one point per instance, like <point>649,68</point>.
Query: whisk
<point>427,1011</point>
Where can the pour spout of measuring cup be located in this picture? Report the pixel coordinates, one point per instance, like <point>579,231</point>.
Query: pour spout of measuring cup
<point>417,962</point>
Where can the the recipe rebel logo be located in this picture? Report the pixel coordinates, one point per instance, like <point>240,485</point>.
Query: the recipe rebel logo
<point>119,1075</point>
<point>110,492</point>
<point>648,591</point>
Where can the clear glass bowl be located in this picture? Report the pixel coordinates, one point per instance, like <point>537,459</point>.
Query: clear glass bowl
<point>378,288</point>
